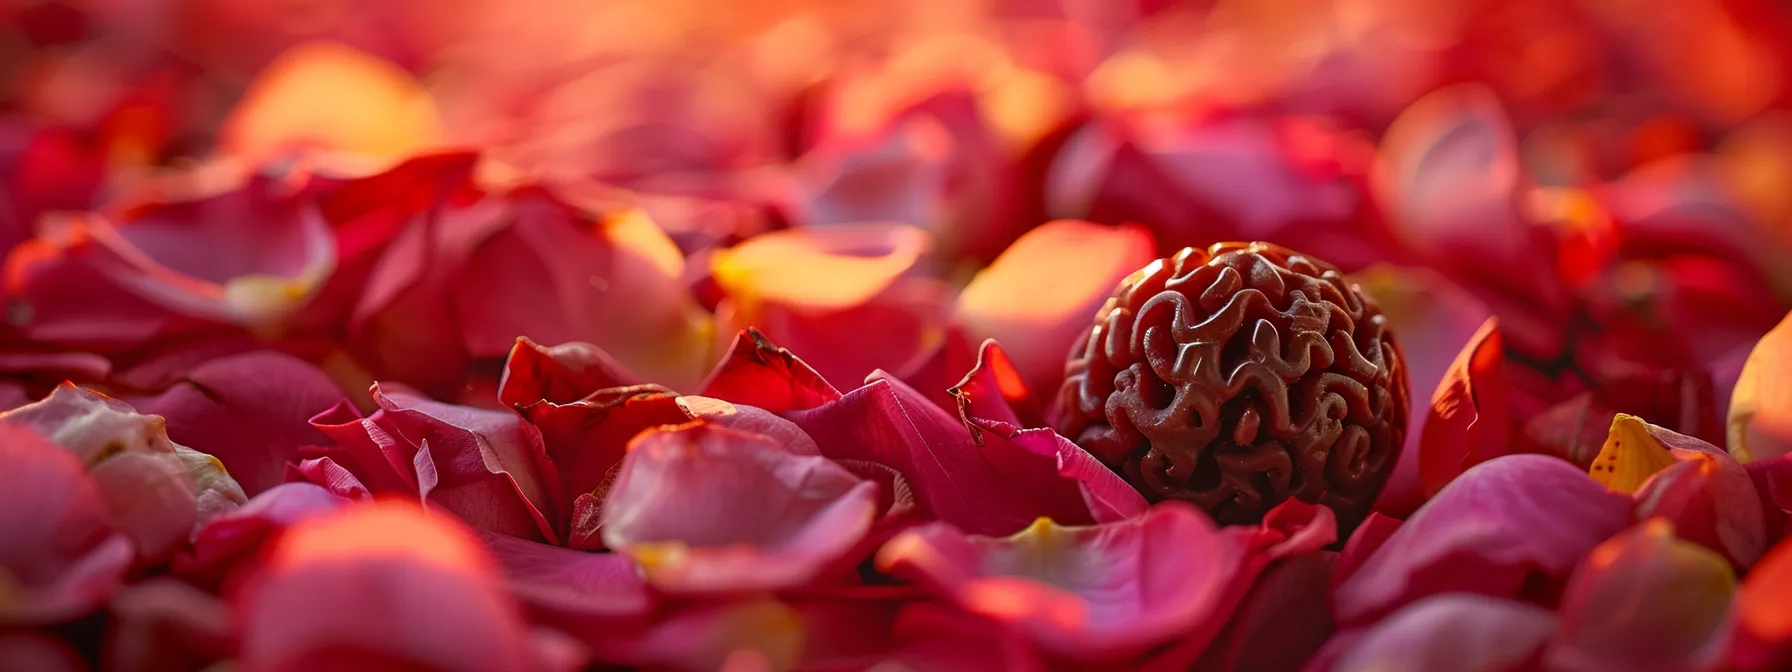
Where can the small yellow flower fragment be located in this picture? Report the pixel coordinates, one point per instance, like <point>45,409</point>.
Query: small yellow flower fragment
<point>1630,455</point>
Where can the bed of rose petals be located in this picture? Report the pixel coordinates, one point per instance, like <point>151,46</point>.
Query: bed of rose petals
<point>706,337</point>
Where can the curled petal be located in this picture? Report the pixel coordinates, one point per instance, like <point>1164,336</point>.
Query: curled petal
<point>1086,592</point>
<point>953,480</point>
<point>707,509</point>
<point>1760,418</point>
<point>758,373</point>
<point>1509,525</point>
<point>1643,601</point>
<point>59,557</point>
<point>1470,633</point>
<point>561,374</point>
<point>489,467</point>
<point>586,441</point>
<point>381,584</point>
<point>993,389</point>
<point>1469,422</point>
<point>1037,297</point>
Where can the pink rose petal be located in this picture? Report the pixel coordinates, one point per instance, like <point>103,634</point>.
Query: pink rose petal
<point>227,549</point>
<point>56,545</point>
<point>1469,633</point>
<point>709,509</point>
<point>1505,527</point>
<point>1707,496</point>
<point>1642,601</point>
<point>1084,592</point>
<point>164,624</point>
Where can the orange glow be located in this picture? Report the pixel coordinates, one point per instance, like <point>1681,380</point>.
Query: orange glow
<point>821,267</point>
<point>328,96</point>
<point>386,529</point>
<point>1762,609</point>
<point>1056,268</point>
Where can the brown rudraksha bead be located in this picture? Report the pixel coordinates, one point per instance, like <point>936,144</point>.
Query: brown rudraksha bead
<point>1236,377</point>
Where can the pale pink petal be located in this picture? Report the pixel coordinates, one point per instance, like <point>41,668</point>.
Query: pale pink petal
<point>707,509</point>
<point>1085,592</point>
<point>381,585</point>
<point>1509,525</point>
<point>1469,633</point>
<point>1643,601</point>
<point>151,498</point>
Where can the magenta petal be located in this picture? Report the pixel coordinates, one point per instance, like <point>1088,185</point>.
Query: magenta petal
<point>27,650</point>
<point>934,636</point>
<point>993,389</point>
<point>1709,498</point>
<point>561,374</point>
<point>489,467</point>
<point>572,582</point>
<point>758,373</point>
<point>1467,633</point>
<point>59,554</point>
<point>1773,483</point>
<point>1507,525</point>
<point>1283,620</point>
<point>250,411</point>
<point>706,509</point>
<point>888,423</point>
<point>228,547</point>
<point>1643,601</point>
<point>1085,592</point>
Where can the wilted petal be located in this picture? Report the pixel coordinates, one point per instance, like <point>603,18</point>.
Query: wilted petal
<point>1760,418</point>
<point>887,423</point>
<point>1086,592</point>
<point>1470,633</point>
<point>1469,422</point>
<point>1509,525</point>
<point>489,467</point>
<point>59,557</point>
<point>707,509</point>
<point>380,585</point>
<point>1038,297</point>
<point>1643,601</point>
<point>228,548</point>
<point>250,411</point>
<point>758,373</point>
<point>1761,638</point>
<point>561,374</point>
<point>150,497</point>
<point>1435,320</point>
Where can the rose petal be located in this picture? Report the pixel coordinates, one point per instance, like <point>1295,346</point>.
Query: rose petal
<point>1760,418</point>
<point>1282,622</point>
<point>1773,483</point>
<point>1362,545</point>
<point>1059,584</point>
<point>587,440</point>
<point>490,467</point>
<point>1504,527</point>
<point>1761,638</point>
<point>758,373</point>
<point>1038,296</point>
<point>250,411</point>
<point>226,550</point>
<point>571,582</point>
<point>1708,497</point>
<point>1469,422</point>
<point>59,557</point>
<point>151,498</point>
<point>392,116</point>
<point>707,509</point>
<point>381,584</point>
<point>561,374</point>
<point>888,423</point>
<point>1643,600</point>
<point>1470,633</point>
<point>27,650</point>
<point>164,624</point>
